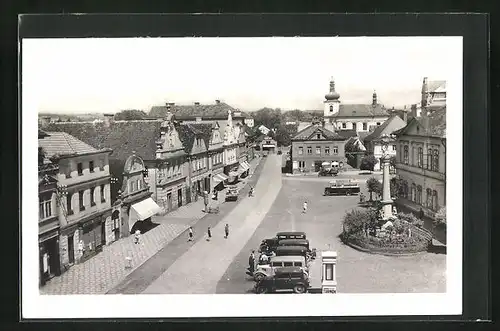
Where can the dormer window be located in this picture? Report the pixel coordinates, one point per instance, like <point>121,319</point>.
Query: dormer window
<point>318,136</point>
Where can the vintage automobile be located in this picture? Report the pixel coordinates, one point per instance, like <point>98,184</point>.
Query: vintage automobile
<point>291,235</point>
<point>342,188</point>
<point>294,242</point>
<point>268,245</point>
<point>293,251</point>
<point>328,172</point>
<point>232,193</point>
<point>267,270</point>
<point>284,279</point>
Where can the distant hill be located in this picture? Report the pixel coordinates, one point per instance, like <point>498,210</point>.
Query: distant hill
<point>301,115</point>
<point>71,117</point>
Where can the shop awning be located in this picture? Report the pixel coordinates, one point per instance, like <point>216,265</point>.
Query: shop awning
<point>143,210</point>
<point>243,167</point>
<point>220,178</point>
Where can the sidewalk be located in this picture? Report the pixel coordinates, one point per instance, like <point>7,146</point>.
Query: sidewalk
<point>108,268</point>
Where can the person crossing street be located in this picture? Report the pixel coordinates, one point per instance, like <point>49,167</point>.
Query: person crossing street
<point>190,234</point>
<point>304,207</point>
<point>226,230</point>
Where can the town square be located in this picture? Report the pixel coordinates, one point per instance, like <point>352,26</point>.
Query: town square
<point>340,190</point>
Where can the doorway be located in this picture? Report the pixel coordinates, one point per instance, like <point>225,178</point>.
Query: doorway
<point>169,201</point>
<point>179,197</point>
<point>355,126</point>
<point>71,248</point>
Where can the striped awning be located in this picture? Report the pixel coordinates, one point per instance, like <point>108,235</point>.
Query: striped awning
<point>244,166</point>
<point>220,178</point>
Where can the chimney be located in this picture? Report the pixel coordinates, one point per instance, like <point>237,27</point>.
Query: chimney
<point>108,119</point>
<point>217,102</point>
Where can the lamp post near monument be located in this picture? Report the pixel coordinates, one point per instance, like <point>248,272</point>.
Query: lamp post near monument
<point>386,185</point>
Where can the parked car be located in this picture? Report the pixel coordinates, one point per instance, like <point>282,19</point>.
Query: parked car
<point>267,270</point>
<point>292,251</point>
<point>268,245</point>
<point>232,193</point>
<point>294,242</point>
<point>287,278</point>
<point>328,172</point>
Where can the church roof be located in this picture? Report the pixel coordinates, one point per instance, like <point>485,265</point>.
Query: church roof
<point>360,110</point>
<point>310,131</point>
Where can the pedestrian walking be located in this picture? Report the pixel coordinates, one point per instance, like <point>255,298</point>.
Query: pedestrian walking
<point>190,234</point>
<point>137,236</point>
<point>304,207</point>
<point>226,231</point>
<point>209,234</point>
<point>251,262</point>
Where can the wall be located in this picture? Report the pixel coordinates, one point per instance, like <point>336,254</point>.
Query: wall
<point>370,121</point>
<point>310,159</point>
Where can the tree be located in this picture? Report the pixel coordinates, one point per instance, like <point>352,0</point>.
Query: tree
<point>130,115</point>
<point>440,218</point>
<point>373,186</point>
<point>284,134</point>
<point>368,162</point>
<point>270,118</point>
<point>396,185</point>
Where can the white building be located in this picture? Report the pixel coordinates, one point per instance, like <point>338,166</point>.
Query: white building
<point>358,117</point>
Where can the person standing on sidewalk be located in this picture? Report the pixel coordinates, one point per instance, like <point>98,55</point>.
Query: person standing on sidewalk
<point>190,234</point>
<point>251,262</point>
<point>209,234</point>
<point>137,236</point>
<point>304,207</point>
<point>226,231</point>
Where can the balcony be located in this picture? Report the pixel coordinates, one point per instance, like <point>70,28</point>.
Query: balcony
<point>421,171</point>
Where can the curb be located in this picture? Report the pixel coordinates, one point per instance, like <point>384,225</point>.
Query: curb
<point>369,251</point>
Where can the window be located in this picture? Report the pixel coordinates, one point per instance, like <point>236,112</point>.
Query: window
<point>92,200</point>
<point>327,150</point>
<point>45,207</point>
<point>405,189</point>
<point>101,164</point>
<point>406,157</point>
<point>329,271</point>
<point>80,198</point>
<point>335,150</point>
<point>302,164</point>
<point>138,184</point>
<point>79,167</point>
<point>344,125</point>
<point>331,108</point>
<point>91,166</point>
<point>419,194</point>
<point>413,192</point>
<point>435,164</point>
<point>309,150</point>
<point>429,159</point>
<point>428,198</point>
<point>69,206</point>
<point>103,195</point>
<point>413,156</point>
<point>394,147</point>
<point>435,204</point>
<point>301,150</point>
<point>420,157</point>
<point>364,126</point>
<point>318,149</point>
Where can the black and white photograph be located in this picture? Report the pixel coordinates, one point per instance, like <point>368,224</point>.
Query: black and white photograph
<point>211,177</point>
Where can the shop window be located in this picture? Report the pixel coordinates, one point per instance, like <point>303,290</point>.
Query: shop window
<point>92,199</point>
<point>45,206</point>
<point>79,167</point>
<point>91,166</point>
<point>335,150</point>
<point>302,164</point>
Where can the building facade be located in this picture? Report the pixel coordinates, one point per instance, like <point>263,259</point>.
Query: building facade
<point>359,117</point>
<point>433,94</point>
<point>85,215</point>
<point>314,145</point>
<point>373,142</point>
<point>421,163</point>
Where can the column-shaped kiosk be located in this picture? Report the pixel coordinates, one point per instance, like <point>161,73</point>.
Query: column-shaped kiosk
<point>328,277</point>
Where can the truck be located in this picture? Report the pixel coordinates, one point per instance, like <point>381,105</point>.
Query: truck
<point>341,187</point>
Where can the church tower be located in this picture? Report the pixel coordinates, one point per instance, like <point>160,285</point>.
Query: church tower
<point>332,102</point>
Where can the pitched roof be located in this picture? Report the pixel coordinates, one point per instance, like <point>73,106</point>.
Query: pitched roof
<point>392,124</point>
<point>434,85</point>
<point>347,133</point>
<point>354,144</point>
<point>434,124</point>
<point>188,132</point>
<point>123,137</point>
<point>62,143</point>
<point>360,110</point>
<point>217,111</point>
<point>308,132</point>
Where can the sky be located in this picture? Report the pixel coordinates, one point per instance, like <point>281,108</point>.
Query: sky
<point>76,76</point>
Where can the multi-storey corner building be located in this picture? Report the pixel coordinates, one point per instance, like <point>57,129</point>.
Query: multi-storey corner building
<point>85,212</point>
<point>421,163</point>
<point>314,145</point>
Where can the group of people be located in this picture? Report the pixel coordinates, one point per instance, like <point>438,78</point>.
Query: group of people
<point>209,233</point>
<point>263,259</point>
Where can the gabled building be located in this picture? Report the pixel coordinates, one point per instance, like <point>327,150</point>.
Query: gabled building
<point>230,143</point>
<point>421,163</point>
<point>84,211</point>
<point>358,117</point>
<point>373,142</point>
<point>314,145</point>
